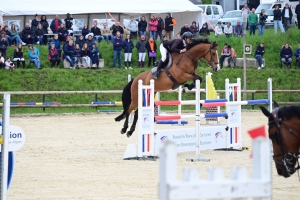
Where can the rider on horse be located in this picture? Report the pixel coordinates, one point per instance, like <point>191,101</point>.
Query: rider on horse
<point>177,45</point>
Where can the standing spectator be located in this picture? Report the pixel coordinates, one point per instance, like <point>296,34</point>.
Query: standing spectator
<point>232,56</point>
<point>287,16</point>
<point>2,62</point>
<point>78,56</point>
<point>80,41</point>
<point>178,36</point>
<point>297,11</point>
<point>27,34</point>
<point>55,24</point>
<point>277,20</point>
<point>204,32</point>
<point>246,10</point>
<point>142,25</point>
<point>261,23</point>
<point>45,25</point>
<point>105,32</point>
<point>117,46</point>
<point>69,23</point>
<point>153,23</point>
<point>132,28</point>
<point>184,29</point>
<point>69,52</point>
<point>94,54</point>
<point>62,33</point>
<point>160,26</point>
<point>85,54</point>
<point>7,35</point>
<point>39,35</point>
<point>228,30</point>
<point>34,56</point>
<point>97,33</point>
<point>194,29</point>
<point>34,23</point>
<point>151,49</point>
<point>141,47</point>
<point>218,29</point>
<point>54,56</point>
<point>3,44</point>
<point>116,29</point>
<point>258,55</point>
<point>170,22</point>
<point>128,46</point>
<point>14,35</point>
<point>286,54</point>
<point>253,20</point>
<point>225,53</point>
<point>18,56</point>
<point>85,31</point>
<point>9,65</point>
<point>297,54</point>
<point>238,29</point>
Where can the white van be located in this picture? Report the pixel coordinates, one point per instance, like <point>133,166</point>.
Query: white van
<point>211,14</point>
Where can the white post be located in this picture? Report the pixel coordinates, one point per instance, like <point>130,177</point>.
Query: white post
<point>151,105</point>
<point>140,121</point>
<point>270,95</point>
<point>219,110</point>
<point>179,99</point>
<point>4,146</point>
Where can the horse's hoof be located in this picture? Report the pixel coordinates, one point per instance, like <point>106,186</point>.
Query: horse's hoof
<point>122,131</point>
<point>129,133</point>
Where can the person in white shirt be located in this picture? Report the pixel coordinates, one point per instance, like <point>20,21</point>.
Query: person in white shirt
<point>228,30</point>
<point>287,16</point>
<point>218,30</point>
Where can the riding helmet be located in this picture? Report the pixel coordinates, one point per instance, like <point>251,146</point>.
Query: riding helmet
<point>187,35</point>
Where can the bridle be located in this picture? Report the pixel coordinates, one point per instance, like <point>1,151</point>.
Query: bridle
<point>289,160</point>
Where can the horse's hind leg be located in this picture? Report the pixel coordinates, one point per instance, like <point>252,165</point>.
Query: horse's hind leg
<point>132,128</point>
<point>125,126</point>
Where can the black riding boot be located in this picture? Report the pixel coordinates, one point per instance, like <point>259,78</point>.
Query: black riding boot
<point>159,66</point>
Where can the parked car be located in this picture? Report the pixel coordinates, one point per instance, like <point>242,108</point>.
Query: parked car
<point>231,16</point>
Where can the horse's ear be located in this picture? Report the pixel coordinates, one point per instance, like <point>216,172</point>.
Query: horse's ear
<point>265,111</point>
<point>215,44</point>
<point>276,104</point>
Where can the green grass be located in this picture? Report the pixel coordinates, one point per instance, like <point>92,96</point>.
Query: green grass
<point>61,79</point>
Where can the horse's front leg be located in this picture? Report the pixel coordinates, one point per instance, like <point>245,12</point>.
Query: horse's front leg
<point>190,77</point>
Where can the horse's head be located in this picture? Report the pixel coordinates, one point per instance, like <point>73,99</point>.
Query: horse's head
<point>285,136</point>
<point>212,57</point>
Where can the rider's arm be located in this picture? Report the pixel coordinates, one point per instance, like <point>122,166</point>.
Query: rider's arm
<point>175,45</point>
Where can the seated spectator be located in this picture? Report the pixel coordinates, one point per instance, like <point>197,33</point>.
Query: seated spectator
<point>69,52</point>
<point>14,36</point>
<point>233,56</point>
<point>3,44</point>
<point>228,30</point>
<point>2,63</point>
<point>204,30</point>
<point>184,29</point>
<point>94,54</point>
<point>18,56</point>
<point>62,33</point>
<point>153,23</point>
<point>238,30</point>
<point>55,24</point>
<point>142,26</point>
<point>85,31</point>
<point>85,54</point>
<point>8,35</point>
<point>194,29</point>
<point>177,36</point>
<point>225,53</point>
<point>80,41</point>
<point>117,46</point>
<point>297,54</point>
<point>259,53</point>
<point>90,40</point>
<point>78,56</point>
<point>219,30</point>
<point>141,47</point>
<point>128,46</point>
<point>9,65</point>
<point>34,56</point>
<point>54,55</point>
<point>97,33</point>
<point>286,54</point>
<point>34,23</point>
<point>105,32</point>
<point>116,29</point>
<point>151,49</point>
<point>27,34</point>
<point>57,44</point>
<point>39,34</point>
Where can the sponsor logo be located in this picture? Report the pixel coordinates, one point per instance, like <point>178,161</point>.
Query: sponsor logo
<point>163,138</point>
<point>217,135</point>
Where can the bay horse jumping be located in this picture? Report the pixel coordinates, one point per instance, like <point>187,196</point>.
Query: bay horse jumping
<point>284,131</point>
<point>182,69</point>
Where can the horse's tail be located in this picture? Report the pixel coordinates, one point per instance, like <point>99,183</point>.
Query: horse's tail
<point>126,100</point>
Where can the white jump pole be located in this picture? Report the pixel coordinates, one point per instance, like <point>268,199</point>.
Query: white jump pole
<point>270,95</point>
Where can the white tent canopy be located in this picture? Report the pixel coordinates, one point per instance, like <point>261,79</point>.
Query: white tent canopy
<point>50,7</point>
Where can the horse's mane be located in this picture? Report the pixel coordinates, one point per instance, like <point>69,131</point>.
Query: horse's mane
<point>288,112</point>
<point>197,41</point>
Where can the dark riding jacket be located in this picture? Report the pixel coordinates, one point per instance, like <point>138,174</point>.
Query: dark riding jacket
<point>174,45</point>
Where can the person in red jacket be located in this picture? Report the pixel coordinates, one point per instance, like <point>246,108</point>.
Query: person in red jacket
<point>153,23</point>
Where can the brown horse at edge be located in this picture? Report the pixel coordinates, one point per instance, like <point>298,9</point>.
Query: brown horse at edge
<point>182,70</point>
